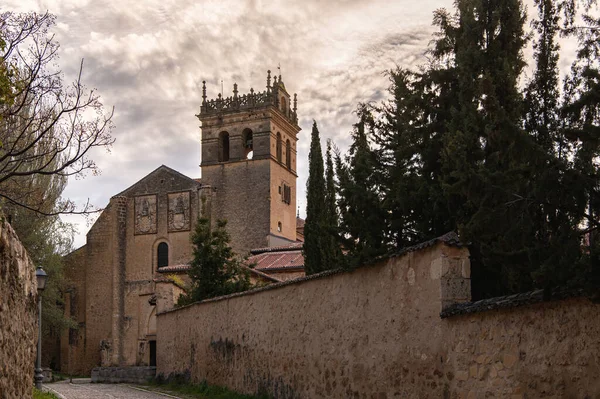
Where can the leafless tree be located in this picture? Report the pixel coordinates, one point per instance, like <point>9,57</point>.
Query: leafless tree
<point>47,128</point>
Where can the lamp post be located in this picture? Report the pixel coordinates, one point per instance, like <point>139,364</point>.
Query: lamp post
<point>41,278</point>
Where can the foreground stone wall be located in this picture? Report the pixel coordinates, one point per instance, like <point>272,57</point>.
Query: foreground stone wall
<point>543,350</point>
<point>376,332</point>
<point>18,316</point>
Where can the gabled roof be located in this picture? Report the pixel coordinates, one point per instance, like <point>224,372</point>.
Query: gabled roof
<point>162,169</point>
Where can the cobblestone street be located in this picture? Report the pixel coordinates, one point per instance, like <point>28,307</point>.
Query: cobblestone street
<point>103,391</point>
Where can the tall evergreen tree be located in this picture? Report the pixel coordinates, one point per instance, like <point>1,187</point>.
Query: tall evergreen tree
<point>333,250</point>
<point>581,111</point>
<point>315,246</point>
<point>486,171</point>
<point>363,220</point>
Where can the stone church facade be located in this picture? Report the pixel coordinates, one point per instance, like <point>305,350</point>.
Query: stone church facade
<point>136,255</point>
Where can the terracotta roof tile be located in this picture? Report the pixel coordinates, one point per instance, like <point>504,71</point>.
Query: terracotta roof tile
<point>278,260</point>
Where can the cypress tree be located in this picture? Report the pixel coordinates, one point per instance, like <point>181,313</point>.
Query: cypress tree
<point>333,251</point>
<point>315,247</point>
<point>363,220</point>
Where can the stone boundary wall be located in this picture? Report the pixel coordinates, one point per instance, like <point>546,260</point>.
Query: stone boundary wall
<point>132,375</point>
<point>376,332</point>
<point>18,316</point>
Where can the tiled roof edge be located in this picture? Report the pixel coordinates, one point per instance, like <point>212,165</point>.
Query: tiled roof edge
<point>450,238</point>
<point>292,247</point>
<point>280,268</point>
<point>264,275</point>
<point>510,301</point>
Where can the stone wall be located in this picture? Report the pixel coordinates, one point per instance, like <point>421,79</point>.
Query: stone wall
<point>542,350</point>
<point>376,332</point>
<point>373,331</point>
<point>18,316</point>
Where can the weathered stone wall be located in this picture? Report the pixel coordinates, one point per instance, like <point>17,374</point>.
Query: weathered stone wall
<point>376,332</point>
<point>18,316</point>
<point>544,350</point>
<point>372,331</point>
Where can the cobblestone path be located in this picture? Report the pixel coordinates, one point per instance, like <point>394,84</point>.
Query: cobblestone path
<point>103,391</point>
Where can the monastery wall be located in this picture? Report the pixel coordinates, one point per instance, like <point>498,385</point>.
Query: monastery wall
<point>376,332</point>
<point>18,316</point>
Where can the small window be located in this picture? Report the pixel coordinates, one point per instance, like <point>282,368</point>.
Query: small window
<point>162,255</point>
<point>223,147</point>
<point>247,144</point>
<point>288,154</point>
<point>279,226</point>
<point>278,146</point>
<point>286,196</point>
<point>283,104</point>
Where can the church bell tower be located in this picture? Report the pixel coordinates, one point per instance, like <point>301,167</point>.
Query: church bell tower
<point>249,159</point>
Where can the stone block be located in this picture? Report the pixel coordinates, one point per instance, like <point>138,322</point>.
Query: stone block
<point>462,375</point>
<point>457,289</point>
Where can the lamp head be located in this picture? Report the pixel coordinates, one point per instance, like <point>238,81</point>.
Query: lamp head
<point>41,278</point>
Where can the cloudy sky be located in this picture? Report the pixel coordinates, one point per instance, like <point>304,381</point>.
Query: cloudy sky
<point>147,59</point>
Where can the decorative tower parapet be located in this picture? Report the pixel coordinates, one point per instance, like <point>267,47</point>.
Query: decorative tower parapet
<point>250,101</point>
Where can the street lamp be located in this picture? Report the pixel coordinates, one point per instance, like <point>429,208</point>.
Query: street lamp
<point>41,278</point>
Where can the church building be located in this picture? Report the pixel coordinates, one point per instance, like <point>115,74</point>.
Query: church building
<point>135,260</point>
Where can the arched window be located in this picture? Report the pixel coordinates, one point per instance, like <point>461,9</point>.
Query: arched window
<point>283,104</point>
<point>162,255</point>
<point>288,154</point>
<point>247,144</point>
<point>279,146</point>
<point>223,147</point>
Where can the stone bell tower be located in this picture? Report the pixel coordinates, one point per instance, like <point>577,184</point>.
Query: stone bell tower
<point>249,160</point>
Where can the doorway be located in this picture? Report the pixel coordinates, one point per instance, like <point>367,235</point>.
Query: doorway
<point>152,353</point>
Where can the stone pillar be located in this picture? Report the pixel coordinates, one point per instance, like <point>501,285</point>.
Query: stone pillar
<point>453,269</point>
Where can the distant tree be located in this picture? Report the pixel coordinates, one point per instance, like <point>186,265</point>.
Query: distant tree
<point>46,127</point>
<point>215,269</point>
<point>315,234</point>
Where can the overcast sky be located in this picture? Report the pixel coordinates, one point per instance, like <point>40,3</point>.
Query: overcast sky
<point>147,59</point>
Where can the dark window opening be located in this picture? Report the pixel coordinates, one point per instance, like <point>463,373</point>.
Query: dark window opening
<point>283,104</point>
<point>278,146</point>
<point>247,144</point>
<point>288,154</point>
<point>223,147</point>
<point>152,345</point>
<point>287,194</point>
<point>162,254</point>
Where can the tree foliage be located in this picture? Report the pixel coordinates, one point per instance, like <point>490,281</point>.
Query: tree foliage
<point>215,269</point>
<point>362,217</point>
<point>46,127</point>
<point>314,247</point>
<point>467,142</point>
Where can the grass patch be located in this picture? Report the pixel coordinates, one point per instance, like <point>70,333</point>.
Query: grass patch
<point>200,391</point>
<point>37,394</point>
